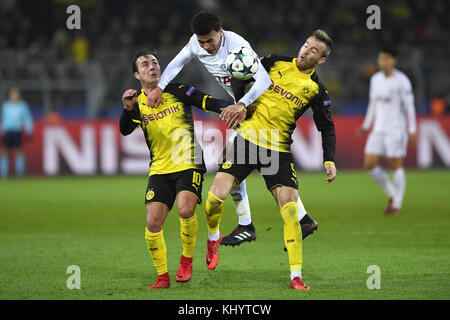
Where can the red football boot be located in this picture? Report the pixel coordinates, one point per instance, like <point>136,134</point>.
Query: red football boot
<point>298,284</point>
<point>163,282</point>
<point>389,206</point>
<point>184,273</point>
<point>393,212</point>
<point>212,253</point>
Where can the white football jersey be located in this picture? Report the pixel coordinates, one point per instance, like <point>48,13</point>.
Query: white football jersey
<point>391,103</point>
<point>215,64</point>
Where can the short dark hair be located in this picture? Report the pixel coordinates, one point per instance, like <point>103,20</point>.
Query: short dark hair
<point>138,55</point>
<point>204,22</point>
<point>322,36</point>
<point>389,50</point>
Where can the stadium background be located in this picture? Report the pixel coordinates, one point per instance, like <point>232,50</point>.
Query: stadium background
<point>73,81</point>
<point>79,75</point>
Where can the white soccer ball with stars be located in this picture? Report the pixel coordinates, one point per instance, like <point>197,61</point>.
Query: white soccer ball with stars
<point>242,63</point>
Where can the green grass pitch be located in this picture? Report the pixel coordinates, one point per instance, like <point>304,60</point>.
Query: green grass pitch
<point>97,223</point>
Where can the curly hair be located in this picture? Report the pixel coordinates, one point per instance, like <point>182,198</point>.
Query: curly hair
<point>204,22</point>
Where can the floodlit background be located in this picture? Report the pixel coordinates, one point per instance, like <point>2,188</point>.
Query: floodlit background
<point>81,200</point>
<point>71,76</point>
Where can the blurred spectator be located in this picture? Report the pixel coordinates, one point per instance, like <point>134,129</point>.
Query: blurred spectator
<point>80,49</point>
<point>112,29</point>
<point>15,116</point>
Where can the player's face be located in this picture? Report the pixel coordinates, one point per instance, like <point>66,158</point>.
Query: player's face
<point>211,41</point>
<point>14,94</point>
<point>386,62</point>
<point>148,68</point>
<point>311,54</point>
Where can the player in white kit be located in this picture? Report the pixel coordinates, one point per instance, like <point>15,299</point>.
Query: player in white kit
<point>391,105</point>
<point>210,44</point>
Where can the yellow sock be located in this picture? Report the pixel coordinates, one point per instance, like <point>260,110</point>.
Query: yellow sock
<point>157,248</point>
<point>188,232</point>
<point>214,209</point>
<point>292,235</point>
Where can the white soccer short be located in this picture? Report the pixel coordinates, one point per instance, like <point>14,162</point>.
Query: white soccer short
<point>387,144</point>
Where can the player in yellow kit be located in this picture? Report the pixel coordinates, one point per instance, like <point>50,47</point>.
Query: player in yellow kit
<point>264,139</point>
<point>177,166</point>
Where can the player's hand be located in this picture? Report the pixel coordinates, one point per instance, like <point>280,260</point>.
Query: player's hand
<point>360,132</point>
<point>154,98</point>
<point>412,139</point>
<point>129,99</point>
<point>250,111</point>
<point>236,119</point>
<point>228,112</point>
<point>331,171</point>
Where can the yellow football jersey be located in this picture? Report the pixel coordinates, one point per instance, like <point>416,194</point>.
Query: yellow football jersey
<point>279,107</point>
<point>169,128</point>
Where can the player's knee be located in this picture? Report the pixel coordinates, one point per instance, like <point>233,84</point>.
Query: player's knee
<point>221,186</point>
<point>213,203</point>
<point>154,226</point>
<point>154,223</point>
<point>396,164</point>
<point>369,165</point>
<point>285,195</point>
<point>186,211</point>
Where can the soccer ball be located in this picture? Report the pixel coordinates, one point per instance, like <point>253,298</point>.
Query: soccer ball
<point>242,63</point>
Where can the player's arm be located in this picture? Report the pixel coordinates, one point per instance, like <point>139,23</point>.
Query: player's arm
<point>129,119</point>
<point>262,82</point>
<point>370,114</point>
<point>321,106</point>
<point>193,96</point>
<point>170,72</point>
<point>407,97</point>
<point>28,119</point>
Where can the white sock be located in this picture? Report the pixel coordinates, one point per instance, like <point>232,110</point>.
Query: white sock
<point>399,179</point>
<point>240,199</point>
<point>301,209</point>
<point>296,273</point>
<point>214,237</point>
<point>380,176</point>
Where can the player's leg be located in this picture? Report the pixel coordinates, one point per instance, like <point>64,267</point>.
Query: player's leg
<point>380,176</point>
<point>286,199</point>
<point>159,199</point>
<point>154,236</point>
<point>8,145</point>
<point>4,163</point>
<point>219,190</point>
<point>374,149</point>
<point>399,180</point>
<point>397,143</point>
<point>245,229</point>
<point>19,163</point>
<point>18,154</point>
<point>307,224</point>
<point>238,193</point>
<point>283,186</point>
<point>189,191</point>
